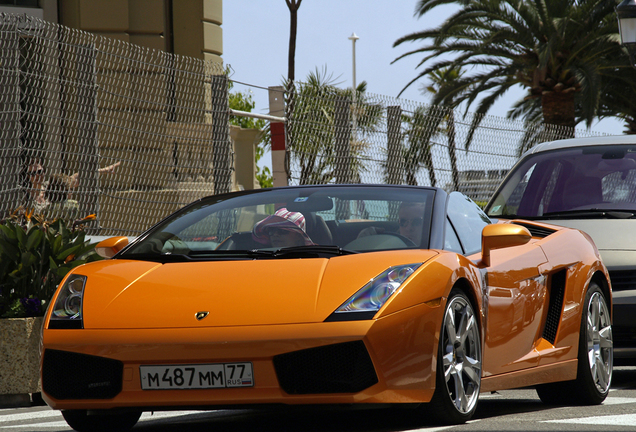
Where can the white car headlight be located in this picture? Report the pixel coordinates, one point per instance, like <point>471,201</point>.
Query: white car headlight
<point>67,311</point>
<point>369,299</point>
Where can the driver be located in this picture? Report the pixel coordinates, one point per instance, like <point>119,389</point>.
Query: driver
<point>282,229</point>
<point>410,219</point>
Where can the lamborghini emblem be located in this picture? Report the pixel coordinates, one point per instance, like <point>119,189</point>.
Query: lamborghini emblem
<point>200,315</point>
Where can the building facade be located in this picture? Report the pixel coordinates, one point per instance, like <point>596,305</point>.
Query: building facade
<point>186,27</point>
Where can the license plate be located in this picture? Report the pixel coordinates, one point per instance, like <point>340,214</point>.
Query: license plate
<point>197,376</point>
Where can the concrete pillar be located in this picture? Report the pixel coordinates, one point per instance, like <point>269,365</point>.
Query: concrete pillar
<point>245,157</point>
<point>279,146</point>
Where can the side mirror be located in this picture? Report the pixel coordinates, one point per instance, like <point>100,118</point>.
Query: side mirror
<point>497,236</point>
<point>109,247</point>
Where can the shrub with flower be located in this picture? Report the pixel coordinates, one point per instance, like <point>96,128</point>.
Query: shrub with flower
<point>35,254</point>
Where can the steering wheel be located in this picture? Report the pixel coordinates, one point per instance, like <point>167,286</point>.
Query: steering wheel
<point>406,240</point>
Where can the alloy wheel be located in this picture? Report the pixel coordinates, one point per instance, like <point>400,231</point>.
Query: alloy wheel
<point>600,346</point>
<point>461,354</point>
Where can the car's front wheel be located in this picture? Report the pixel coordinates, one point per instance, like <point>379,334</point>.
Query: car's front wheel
<point>595,357</point>
<point>458,364</point>
<point>81,421</point>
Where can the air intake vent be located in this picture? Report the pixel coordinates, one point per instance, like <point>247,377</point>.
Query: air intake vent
<point>536,231</point>
<point>339,368</point>
<point>623,279</point>
<point>557,290</point>
<point>67,375</point>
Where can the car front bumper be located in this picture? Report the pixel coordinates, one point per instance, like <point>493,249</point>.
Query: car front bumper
<point>402,348</point>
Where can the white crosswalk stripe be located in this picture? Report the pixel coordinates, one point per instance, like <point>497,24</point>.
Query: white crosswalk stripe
<point>618,401</point>
<point>46,419</point>
<point>56,425</point>
<point>40,418</point>
<point>611,420</point>
<point>27,415</point>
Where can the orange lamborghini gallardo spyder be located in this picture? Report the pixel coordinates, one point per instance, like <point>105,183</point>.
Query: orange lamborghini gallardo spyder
<point>338,294</point>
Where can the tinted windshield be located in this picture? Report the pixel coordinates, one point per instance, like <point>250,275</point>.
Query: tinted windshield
<point>321,220</point>
<point>597,178</point>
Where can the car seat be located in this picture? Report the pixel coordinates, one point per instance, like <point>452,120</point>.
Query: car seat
<point>580,191</point>
<point>317,229</point>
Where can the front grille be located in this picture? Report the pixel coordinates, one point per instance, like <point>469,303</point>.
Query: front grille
<point>338,368</point>
<point>67,375</point>
<point>623,279</point>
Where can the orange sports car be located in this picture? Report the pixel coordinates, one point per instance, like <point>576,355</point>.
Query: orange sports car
<point>336,294</point>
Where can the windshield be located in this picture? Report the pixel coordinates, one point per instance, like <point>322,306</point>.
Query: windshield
<point>572,182</point>
<point>293,222</point>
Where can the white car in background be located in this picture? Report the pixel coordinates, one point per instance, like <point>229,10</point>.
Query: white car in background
<point>588,184</point>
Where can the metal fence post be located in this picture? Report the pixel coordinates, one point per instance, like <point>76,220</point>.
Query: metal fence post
<point>87,133</point>
<point>342,141</point>
<point>10,182</point>
<point>394,159</point>
<point>222,153</point>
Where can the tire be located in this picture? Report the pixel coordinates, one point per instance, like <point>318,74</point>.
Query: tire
<point>459,363</point>
<point>595,358</point>
<point>80,421</point>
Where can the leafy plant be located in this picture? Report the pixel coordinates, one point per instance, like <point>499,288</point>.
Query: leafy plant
<point>35,255</point>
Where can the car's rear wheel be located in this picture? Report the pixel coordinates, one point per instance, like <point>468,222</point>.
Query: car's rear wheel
<point>81,421</point>
<point>596,357</point>
<point>459,362</point>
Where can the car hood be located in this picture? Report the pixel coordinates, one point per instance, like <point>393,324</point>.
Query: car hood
<point>614,238</point>
<point>139,294</point>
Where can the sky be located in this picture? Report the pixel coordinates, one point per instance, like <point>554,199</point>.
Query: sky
<point>256,43</point>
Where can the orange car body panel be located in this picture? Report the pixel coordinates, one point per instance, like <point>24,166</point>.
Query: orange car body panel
<point>142,313</point>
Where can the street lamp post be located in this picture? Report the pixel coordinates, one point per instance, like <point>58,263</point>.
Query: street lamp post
<point>353,38</point>
<point>626,14</point>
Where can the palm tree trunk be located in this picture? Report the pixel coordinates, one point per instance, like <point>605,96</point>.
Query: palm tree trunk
<point>293,6</point>
<point>558,110</point>
<point>428,163</point>
<point>450,124</point>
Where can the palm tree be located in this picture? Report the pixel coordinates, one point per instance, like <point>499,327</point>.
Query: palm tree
<point>314,123</point>
<point>445,93</point>
<point>559,50</point>
<point>422,125</point>
<point>619,98</point>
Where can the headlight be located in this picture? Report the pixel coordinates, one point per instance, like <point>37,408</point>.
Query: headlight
<point>369,299</point>
<point>67,311</point>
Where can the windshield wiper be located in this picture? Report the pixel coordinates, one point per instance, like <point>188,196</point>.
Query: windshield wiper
<point>593,213</point>
<point>231,253</point>
<point>312,251</point>
<point>156,257</point>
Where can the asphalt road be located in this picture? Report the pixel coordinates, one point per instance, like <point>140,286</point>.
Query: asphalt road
<point>510,410</point>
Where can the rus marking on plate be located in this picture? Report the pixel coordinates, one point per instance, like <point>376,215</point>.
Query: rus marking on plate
<point>200,315</point>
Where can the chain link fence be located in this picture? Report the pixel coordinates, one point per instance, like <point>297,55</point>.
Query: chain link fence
<point>335,136</point>
<point>93,125</point>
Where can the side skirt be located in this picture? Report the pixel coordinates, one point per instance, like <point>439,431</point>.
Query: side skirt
<point>562,371</point>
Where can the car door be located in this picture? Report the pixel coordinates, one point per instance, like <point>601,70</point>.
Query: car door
<point>515,291</point>
<point>515,302</point>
